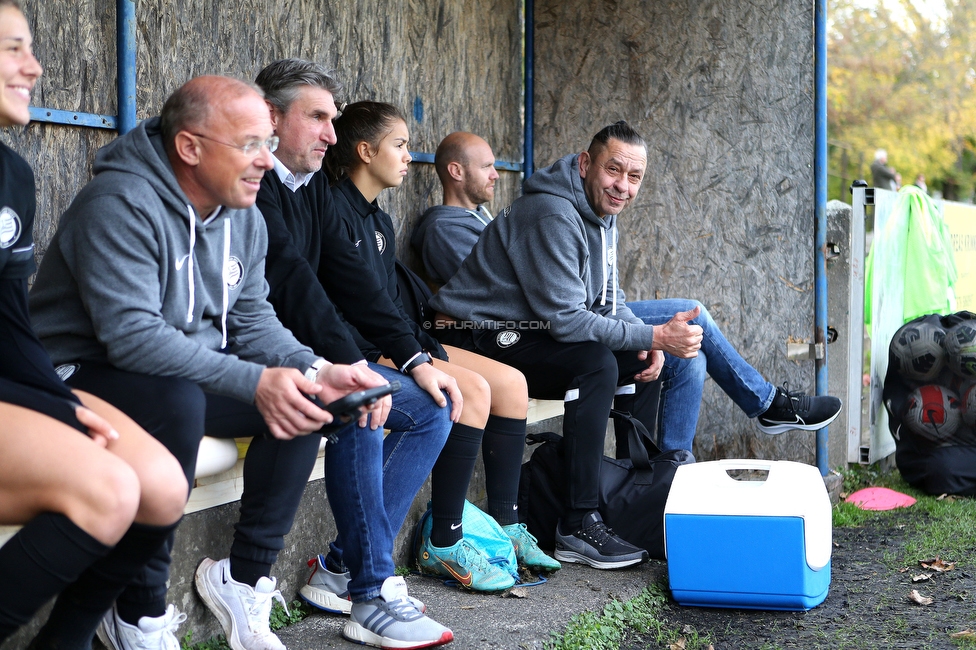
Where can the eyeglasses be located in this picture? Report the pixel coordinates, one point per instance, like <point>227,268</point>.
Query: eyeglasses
<point>250,149</point>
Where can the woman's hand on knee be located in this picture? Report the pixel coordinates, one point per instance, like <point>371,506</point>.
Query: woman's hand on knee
<point>98,427</point>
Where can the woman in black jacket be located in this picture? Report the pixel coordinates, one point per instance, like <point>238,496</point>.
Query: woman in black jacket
<point>371,155</point>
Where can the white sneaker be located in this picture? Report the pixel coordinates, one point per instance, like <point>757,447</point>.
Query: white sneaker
<point>157,633</point>
<point>244,612</point>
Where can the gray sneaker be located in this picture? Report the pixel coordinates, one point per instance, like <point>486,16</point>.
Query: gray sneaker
<point>152,633</point>
<point>597,545</point>
<point>243,611</point>
<point>325,589</point>
<point>392,621</point>
<point>329,591</point>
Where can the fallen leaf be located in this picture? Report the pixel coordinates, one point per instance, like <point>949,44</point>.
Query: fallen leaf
<point>679,644</point>
<point>903,569</point>
<point>516,592</point>
<point>687,629</point>
<point>919,599</point>
<point>938,565</point>
<point>921,577</point>
<point>965,634</point>
<point>941,496</point>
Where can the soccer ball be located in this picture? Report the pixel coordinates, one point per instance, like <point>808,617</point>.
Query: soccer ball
<point>918,349</point>
<point>933,413</point>
<point>960,346</point>
<point>968,406</point>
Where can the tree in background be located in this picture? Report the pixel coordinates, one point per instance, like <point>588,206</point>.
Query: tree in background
<point>903,80</point>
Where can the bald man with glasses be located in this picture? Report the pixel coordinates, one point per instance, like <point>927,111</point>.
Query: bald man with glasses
<point>152,296</point>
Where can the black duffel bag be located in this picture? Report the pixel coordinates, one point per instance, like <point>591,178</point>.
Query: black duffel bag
<point>633,491</point>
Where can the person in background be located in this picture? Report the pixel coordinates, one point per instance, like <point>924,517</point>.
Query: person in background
<point>446,233</point>
<point>883,176</point>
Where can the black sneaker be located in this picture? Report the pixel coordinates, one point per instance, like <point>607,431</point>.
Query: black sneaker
<point>597,545</point>
<point>794,410</point>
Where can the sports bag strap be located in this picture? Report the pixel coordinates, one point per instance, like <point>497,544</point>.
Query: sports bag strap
<point>539,438</point>
<point>641,445</point>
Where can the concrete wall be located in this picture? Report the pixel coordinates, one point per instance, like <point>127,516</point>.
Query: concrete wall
<point>722,91</point>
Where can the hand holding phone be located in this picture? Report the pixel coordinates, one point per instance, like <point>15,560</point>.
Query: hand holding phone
<point>346,408</point>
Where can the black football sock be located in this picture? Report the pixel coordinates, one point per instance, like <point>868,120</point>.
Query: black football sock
<point>449,483</point>
<point>82,605</point>
<point>47,554</point>
<point>248,571</point>
<point>502,449</point>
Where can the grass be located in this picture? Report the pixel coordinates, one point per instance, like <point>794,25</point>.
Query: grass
<point>933,527</point>
<point>297,610</point>
<point>640,616</point>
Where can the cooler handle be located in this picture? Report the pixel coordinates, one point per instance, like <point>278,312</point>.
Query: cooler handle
<point>746,463</point>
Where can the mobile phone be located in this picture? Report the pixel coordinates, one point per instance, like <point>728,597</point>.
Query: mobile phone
<point>347,408</point>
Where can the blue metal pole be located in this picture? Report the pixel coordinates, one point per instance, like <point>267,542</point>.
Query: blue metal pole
<point>126,52</point>
<point>820,227</point>
<point>528,158</point>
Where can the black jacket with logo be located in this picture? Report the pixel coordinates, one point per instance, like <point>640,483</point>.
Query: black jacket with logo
<point>372,233</point>
<point>316,274</point>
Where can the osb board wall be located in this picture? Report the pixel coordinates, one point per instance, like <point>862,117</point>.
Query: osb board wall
<point>450,65</point>
<point>722,91</point>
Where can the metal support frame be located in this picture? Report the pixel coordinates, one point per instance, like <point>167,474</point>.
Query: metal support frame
<point>861,196</point>
<point>820,199</point>
<point>528,88</point>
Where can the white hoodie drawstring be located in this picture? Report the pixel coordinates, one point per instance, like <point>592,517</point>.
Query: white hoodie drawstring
<point>223,315</point>
<point>603,246</point>
<point>477,216</point>
<point>614,228</point>
<point>189,263</point>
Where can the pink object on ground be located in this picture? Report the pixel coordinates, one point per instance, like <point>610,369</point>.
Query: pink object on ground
<point>879,498</point>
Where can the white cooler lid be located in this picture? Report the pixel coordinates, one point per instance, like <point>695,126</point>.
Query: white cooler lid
<point>790,490</point>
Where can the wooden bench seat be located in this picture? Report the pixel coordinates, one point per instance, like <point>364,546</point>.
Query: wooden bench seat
<point>219,475</point>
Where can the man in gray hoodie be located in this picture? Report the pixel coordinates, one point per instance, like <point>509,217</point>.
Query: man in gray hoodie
<point>153,297</point>
<point>446,233</point>
<point>539,292</point>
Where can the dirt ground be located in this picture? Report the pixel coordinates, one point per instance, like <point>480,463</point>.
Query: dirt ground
<point>868,605</point>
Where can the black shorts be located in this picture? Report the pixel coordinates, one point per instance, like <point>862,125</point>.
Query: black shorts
<point>35,399</point>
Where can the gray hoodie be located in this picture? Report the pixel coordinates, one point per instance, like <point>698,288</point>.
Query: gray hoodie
<point>127,281</point>
<point>445,236</point>
<point>548,258</point>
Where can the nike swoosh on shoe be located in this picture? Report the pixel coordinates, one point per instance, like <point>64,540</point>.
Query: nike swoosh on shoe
<point>464,580</point>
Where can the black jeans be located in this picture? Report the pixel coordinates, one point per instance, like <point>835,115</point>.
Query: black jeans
<point>178,413</point>
<point>586,376</point>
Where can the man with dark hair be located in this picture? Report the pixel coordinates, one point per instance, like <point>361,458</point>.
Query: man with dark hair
<point>446,233</point>
<point>543,277</point>
<point>309,263</point>
<point>153,296</point>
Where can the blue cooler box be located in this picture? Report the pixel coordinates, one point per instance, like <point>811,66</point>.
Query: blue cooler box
<point>748,544</point>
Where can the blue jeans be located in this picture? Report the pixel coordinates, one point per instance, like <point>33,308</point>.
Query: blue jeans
<point>371,481</point>
<point>683,379</point>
